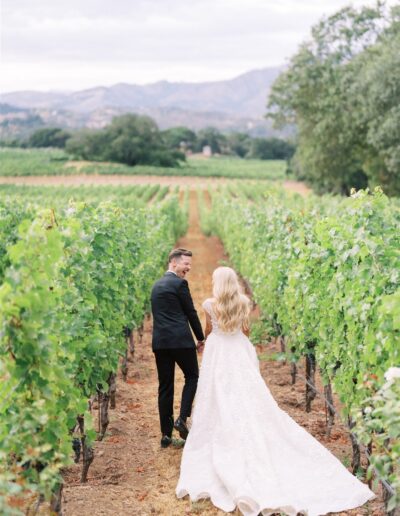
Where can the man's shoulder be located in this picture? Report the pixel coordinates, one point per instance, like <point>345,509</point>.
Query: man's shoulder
<point>169,278</point>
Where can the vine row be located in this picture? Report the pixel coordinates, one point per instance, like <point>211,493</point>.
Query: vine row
<point>325,273</point>
<point>75,282</point>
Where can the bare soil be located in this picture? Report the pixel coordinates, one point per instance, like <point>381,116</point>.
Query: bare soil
<point>131,474</point>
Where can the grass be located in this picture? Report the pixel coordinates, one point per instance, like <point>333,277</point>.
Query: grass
<point>32,162</point>
<point>236,168</point>
<point>37,162</point>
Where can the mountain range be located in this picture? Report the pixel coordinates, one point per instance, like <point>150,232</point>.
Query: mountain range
<point>237,104</point>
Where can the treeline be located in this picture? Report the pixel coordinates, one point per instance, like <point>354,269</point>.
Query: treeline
<point>342,91</point>
<point>136,140</point>
<point>236,144</point>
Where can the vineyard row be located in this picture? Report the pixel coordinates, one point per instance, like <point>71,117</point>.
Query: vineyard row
<point>75,282</point>
<point>325,273</point>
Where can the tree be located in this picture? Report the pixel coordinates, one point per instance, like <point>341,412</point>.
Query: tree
<point>130,139</point>
<point>213,138</point>
<point>270,148</point>
<point>239,143</point>
<point>179,138</point>
<point>377,88</point>
<point>49,137</point>
<point>319,93</point>
<point>88,144</point>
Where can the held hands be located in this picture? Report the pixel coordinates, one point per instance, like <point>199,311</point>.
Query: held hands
<point>200,345</point>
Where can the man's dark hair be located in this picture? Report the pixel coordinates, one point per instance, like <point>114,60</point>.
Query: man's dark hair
<point>178,253</point>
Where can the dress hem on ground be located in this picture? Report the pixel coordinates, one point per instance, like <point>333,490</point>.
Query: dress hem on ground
<point>250,507</point>
<point>244,451</point>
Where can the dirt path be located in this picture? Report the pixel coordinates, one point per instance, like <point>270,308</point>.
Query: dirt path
<point>131,474</point>
<point>193,182</point>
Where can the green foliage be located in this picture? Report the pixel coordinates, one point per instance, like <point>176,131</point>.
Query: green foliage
<point>235,168</point>
<point>211,137</point>
<point>379,424</point>
<point>130,139</point>
<point>179,138</point>
<point>18,128</point>
<point>341,91</point>
<point>239,144</point>
<point>12,212</point>
<point>29,197</point>
<point>49,137</point>
<point>32,162</point>
<point>72,281</point>
<point>378,93</point>
<point>270,148</point>
<point>325,273</point>
<point>39,394</point>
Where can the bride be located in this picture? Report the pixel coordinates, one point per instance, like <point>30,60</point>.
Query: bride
<point>242,449</point>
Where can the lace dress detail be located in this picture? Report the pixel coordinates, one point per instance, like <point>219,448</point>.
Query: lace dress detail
<point>244,451</point>
<point>208,307</point>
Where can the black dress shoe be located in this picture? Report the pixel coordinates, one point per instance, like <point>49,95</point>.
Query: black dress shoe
<point>165,441</point>
<point>182,428</point>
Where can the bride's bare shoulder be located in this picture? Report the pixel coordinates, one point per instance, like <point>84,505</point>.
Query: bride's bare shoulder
<point>208,302</point>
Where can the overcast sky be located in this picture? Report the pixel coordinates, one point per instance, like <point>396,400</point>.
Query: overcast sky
<point>77,44</point>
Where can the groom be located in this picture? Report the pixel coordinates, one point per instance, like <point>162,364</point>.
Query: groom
<point>173,312</point>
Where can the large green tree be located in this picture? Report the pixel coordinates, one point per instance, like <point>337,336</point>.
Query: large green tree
<point>130,139</point>
<point>377,88</point>
<point>332,97</point>
<point>239,143</point>
<point>49,137</point>
<point>270,148</point>
<point>179,138</point>
<point>213,138</point>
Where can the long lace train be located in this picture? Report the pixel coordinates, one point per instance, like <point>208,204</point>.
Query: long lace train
<point>244,451</point>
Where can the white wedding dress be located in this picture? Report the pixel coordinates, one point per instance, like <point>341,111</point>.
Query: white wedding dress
<point>244,451</point>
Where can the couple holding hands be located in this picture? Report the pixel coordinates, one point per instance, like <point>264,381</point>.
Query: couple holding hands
<point>242,450</point>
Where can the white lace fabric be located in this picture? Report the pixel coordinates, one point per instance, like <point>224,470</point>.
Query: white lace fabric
<point>244,451</point>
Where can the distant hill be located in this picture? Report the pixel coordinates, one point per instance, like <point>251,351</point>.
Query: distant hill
<point>5,109</point>
<point>238,104</point>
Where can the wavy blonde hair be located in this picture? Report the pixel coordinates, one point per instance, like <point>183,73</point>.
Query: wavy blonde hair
<point>232,307</point>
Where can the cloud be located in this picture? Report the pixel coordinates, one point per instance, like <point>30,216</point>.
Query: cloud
<point>173,39</point>
<point>204,30</point>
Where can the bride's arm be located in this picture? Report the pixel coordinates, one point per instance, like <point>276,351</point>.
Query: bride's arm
<point>208,327</point>
<point>246,330</point>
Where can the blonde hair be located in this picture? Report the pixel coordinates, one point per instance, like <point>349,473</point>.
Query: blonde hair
<point>232,308</point>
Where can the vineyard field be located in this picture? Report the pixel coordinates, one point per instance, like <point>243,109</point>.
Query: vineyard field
<point>75,279</point>
<point>48,162</point>
<point>325,274</point>
<point>76,268</point>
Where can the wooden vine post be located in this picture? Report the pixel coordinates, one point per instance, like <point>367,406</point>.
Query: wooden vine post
<point>140,333</point>
<point>129,351</point>
<point>112,381</point>
<point>131,343</point>
<point>329,408</point>
<point>104,400</point>
<point>293,366</point>
<point>56,499</point>
<point>356,459</point>
<point>87,451</point>
<point>310,376</point>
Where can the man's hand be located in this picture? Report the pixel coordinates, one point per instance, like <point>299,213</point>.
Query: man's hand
<point>200,345</point>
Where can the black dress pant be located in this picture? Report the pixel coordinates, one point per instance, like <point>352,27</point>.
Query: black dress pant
<point>187,361</point>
